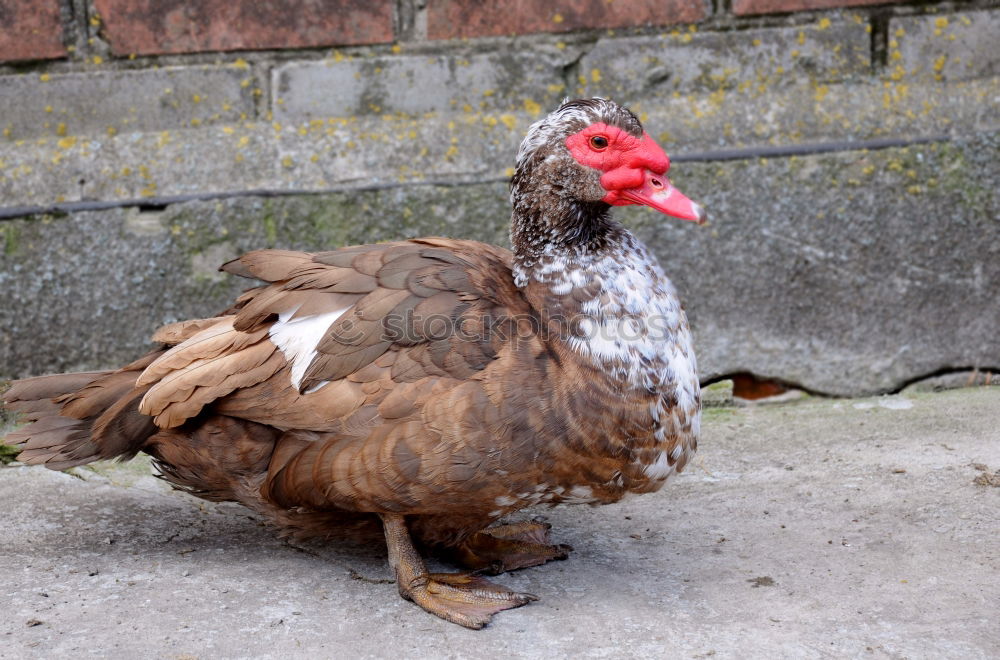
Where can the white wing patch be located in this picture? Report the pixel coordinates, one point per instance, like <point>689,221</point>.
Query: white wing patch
<point>297,339</point>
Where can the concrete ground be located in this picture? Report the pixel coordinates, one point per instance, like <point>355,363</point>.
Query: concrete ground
<point>820,528</point>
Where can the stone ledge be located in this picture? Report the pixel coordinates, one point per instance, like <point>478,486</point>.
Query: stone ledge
<point>458,146</point>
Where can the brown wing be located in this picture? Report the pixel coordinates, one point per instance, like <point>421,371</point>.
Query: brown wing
<point>332,334</point>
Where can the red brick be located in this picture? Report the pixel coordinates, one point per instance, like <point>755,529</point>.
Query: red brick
<point>149,27</point>
<point>30,30</point>
<point>455,19</point>
<point>742,7</point>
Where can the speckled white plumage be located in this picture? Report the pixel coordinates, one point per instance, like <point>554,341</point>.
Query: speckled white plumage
<point>635,329</point>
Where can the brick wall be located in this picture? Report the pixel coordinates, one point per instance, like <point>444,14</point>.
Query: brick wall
<point>80,30</point>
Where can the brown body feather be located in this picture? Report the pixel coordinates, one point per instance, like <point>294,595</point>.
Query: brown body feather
<point>437,402</point>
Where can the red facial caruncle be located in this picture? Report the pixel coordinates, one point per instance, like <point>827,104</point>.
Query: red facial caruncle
<point>633,170</point>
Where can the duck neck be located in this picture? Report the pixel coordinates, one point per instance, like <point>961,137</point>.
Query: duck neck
<point>551,229</point>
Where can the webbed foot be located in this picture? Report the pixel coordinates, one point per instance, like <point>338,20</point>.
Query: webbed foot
<point>463,598</point>
<point>510,547</point>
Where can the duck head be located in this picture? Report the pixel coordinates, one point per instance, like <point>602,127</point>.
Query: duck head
<point>590,154</point>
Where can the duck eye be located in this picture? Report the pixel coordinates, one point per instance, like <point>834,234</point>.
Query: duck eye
<point>599,142</point>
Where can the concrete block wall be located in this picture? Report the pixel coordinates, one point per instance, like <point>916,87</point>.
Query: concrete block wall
<point>846,149</point>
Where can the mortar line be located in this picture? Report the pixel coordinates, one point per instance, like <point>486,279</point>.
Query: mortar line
<point>747,153</point>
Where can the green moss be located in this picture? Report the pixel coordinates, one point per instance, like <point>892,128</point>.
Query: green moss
<point>11,236</point>
<point>270,226</point>
<point>955,177</point>
<point>7,453</point>
<point>718,413</point>
<point>7,424</point>
<point>720,386</point>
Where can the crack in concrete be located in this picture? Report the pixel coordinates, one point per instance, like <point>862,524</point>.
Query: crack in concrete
<point>570,73</point>
<point>990,372</point>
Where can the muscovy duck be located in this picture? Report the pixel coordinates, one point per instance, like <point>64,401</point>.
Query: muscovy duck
<point>433,385</point>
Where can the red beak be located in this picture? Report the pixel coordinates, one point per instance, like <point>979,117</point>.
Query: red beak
<point>633,171</point>
<point>657,192</point>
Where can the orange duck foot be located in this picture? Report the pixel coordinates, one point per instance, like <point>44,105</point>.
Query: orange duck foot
<point>510,547</point>
<point>462,598</point>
